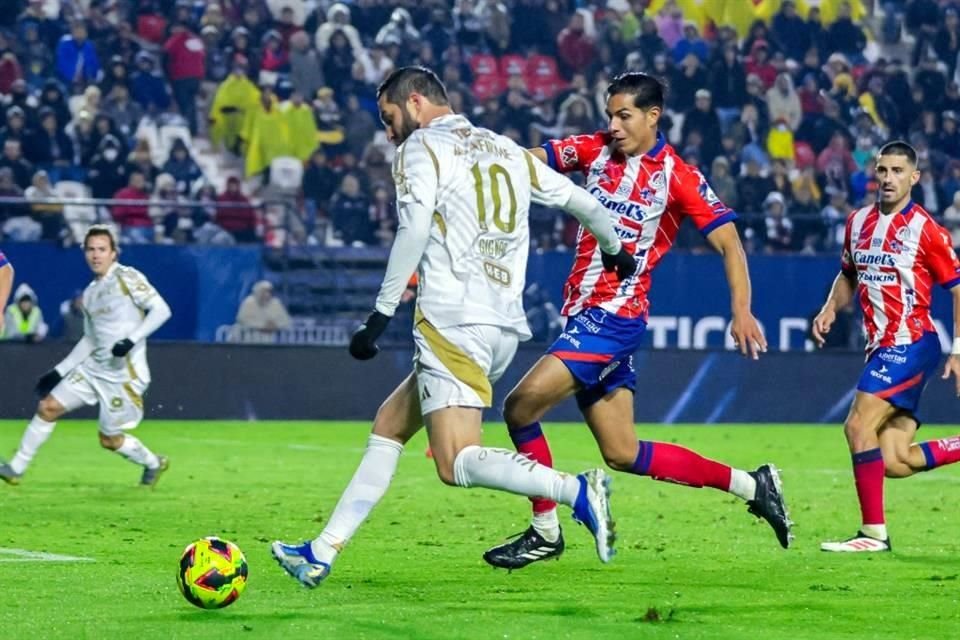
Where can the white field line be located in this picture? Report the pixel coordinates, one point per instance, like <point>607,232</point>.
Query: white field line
<point>295,446</point>
<point>22,555</point>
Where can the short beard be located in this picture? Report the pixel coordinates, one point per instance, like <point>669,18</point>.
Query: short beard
<point>407,126</point>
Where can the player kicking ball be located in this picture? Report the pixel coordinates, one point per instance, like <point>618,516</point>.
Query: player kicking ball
<point>893,254</point>
<point>463,199</point>
<point>108,366</point>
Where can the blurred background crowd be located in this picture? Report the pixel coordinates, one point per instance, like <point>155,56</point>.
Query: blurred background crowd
<point>198,116</point>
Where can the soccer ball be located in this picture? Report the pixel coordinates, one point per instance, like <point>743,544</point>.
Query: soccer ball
<point>213,573</point>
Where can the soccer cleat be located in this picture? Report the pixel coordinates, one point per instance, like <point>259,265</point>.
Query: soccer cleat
<point>299,562</point>
<point>8,475</point>
<point>150,476</point>
<point>529,547</point>
<point>859,543</point>
<point>768,503</point>
<point>592,509</point>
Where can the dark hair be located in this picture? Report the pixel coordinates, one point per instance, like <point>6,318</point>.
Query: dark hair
<point>398,86</point>
<point>646,90</point>
<point>100,230</point>
<point>899,148</point>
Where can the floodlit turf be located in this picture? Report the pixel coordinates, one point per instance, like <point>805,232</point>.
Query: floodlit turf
<point>691,563</point>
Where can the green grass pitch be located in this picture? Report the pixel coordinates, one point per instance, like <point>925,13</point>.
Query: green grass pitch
<point>691,563</point>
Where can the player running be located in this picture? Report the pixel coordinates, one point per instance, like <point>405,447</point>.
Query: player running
<point>108,366</point>
<point>6,285</point>
<point>463,198</point>
<point>648,190</point>
<point>893,254</point>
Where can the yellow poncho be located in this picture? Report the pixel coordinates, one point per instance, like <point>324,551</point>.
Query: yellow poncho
<point>235,97</point>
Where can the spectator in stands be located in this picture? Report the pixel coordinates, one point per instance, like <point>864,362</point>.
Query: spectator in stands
<point>575,48</point>
<point>834,214</point>
<point>217,61</point>
<point>9,212</point>
<point>302,127</point>
<point>399,30</point>
<point>845,36</point>
<point>24,319</point>
<point>438,32</point>
<point>783,103</point>
<point>338,62</point>
<point>117,74</point>
<point>136,227</point>
<point>35,16</point>
<point>723,184</point>
<point>319,183</point>
<point>186,66</point>
<point>779,236</point>
<point>49,215</point>
<point>758,64</point>
<point>147,87</point>
<point>728,83</point>
<point>349,213</point>
<point>951,219</point>
<point>241,49</point>
<point>670,23</point>
<point>235,214</point>
<point>49,147</point>
<point>273,55</point>
<point>16,127</point>
<point>686,79</point>
<point>52,97</point>
<point>790,32</point>
<point>262,311</point>
<point>71,314</point>
<point>13,159</point>
<point>184,169</point>
<point>265,134</point>
<point>108,171</point>
<point>691,43</point>
<point>235,98</point>
<point>123,112</point>
<point>141,159</point>
<point>338,20</point>
<point>836,162</point>
<point>704,120</point>
<point>306,72</point>
<point>77,61</point>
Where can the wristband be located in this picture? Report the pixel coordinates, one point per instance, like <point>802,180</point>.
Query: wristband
<point>956,347</point>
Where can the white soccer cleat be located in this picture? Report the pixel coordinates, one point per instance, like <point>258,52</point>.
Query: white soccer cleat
<point>860,543</point>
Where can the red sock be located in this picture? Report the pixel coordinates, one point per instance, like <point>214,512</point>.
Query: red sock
<point>531,442</point>
<point>868,475</point>
<point>941,452</point>
<point>671,463</point>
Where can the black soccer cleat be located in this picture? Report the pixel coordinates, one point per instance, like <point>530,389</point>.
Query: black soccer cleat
<point>529,547</point>
<point>768,503</point>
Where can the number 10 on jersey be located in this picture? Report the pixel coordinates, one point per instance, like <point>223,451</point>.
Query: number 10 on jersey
<point>497,175</point>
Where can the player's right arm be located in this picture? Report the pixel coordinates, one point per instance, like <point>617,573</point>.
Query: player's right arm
<point>841,293</point>
<point>80,352</point>
<point>571,154</point>
<point>6,286</point>
<point>416,173</point>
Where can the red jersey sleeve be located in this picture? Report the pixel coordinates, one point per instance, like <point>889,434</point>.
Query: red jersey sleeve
<point>691,196</point>
<point>574,153</point>
<point>939,256</point>
<point>847,266</point>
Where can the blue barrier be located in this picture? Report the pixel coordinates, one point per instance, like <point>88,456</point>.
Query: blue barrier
<point>690,300</point>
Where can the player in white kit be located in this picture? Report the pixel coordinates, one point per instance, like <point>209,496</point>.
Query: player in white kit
<point>108,366</point>
<point>463,198</point>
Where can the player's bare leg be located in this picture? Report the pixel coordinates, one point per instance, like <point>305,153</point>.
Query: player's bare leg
<point>131,448</point>
<point>902,457</point>
<point>462,461</point>
<point>862,428</point>
<point>611,421</point>
<point>49,410</point>
<point>398,419</point>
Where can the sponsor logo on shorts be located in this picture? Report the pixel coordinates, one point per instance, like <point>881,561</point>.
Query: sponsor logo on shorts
<point>892,358</point>
<point>589,325</point>
<point>569,338</point>
<point>879,376</point>
<point>609,368</point>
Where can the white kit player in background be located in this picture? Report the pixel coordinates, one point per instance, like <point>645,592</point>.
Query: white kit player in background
<point>463,199</point>
<point>108,366</point>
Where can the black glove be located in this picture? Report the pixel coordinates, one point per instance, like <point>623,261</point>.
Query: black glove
<point>47,382</point>
<point>623,263</point>
<point>363,344</point>
<point>122,348</point>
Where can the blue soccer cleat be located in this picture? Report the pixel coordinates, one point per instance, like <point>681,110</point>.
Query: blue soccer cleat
<point>592,509</point>
<point>300,563</point>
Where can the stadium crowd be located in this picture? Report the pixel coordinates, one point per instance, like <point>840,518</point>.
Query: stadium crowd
<point>782,106</point>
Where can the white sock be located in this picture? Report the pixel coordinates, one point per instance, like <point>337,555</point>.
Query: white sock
<point>547,524</point>
<point>135,451</point>
<point>742,484</point>
<point>36,434</point>
<point>878,531</point>
<point>511,471</point>
<point>366,488</point>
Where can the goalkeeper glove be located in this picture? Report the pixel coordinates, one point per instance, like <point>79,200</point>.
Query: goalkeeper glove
<point>623,263</point>
<point>47,382</point>
<point>363,344</point>
<point>122,348</point>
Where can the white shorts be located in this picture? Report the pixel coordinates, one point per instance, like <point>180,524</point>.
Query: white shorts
<point>457,366</point>
<point>121,403</point>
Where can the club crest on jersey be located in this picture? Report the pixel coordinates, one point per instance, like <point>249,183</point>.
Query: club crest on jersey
<point>658,181</point>
<point>903,234</point>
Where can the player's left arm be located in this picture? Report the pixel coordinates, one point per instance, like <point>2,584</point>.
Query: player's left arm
<point>696,200</point>
<point>416,173</point>
<point>155,308</point>
<point>936,247</point>
<point>953,360</point>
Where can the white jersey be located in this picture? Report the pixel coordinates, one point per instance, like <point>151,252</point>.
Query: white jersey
<point>113,306</point>
<point>479,185</point>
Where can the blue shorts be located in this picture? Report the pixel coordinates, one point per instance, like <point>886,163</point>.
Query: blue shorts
<point>597,347</point>
<point>899,374</point>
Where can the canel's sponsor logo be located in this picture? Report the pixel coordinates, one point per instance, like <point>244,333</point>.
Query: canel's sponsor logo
<point>629,209</point>
<point>864,258</point>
